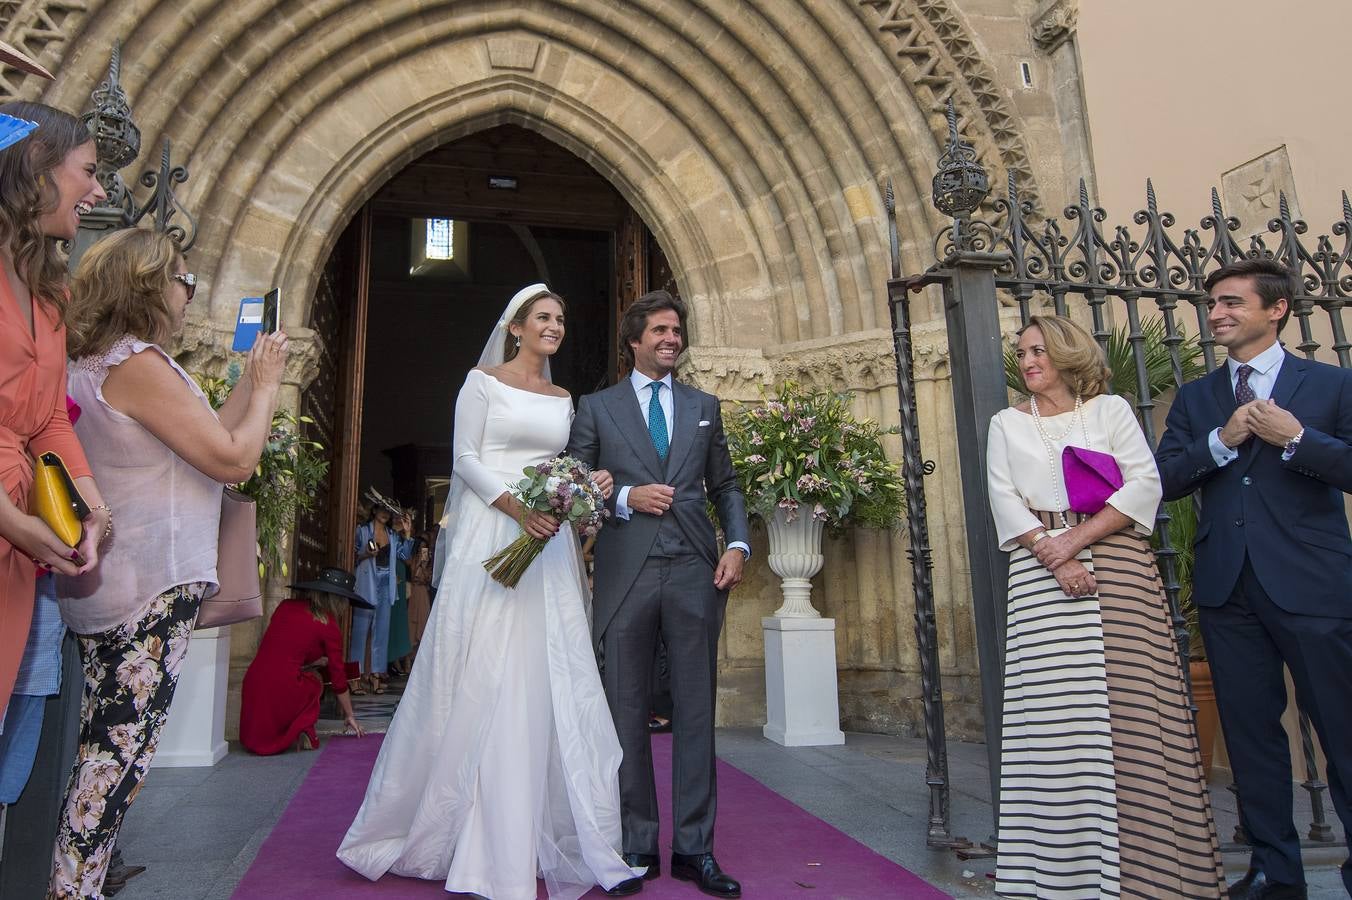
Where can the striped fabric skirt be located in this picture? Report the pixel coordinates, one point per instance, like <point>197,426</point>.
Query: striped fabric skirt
<point>1102,792</point>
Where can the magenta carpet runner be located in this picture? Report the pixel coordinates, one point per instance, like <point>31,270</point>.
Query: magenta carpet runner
<point>766,842</point>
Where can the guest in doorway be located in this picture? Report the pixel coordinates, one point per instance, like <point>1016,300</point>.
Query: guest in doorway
<point>279,704</point>
<point>401,643</point>
<point>419,583</point>
<point>163,455</point>
<point>1101,786</point>
<point>380,543</point>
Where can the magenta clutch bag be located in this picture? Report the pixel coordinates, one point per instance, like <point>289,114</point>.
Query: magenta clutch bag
<point>1091,478</point>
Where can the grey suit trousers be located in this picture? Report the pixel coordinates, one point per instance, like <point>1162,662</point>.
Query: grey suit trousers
<point>675,595</point>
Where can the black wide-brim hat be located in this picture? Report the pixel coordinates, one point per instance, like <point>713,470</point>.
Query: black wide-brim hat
<point>336,581</point>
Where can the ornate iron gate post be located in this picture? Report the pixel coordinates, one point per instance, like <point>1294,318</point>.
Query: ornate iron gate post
<point>939,832</point>
<point>976,355</point>
<point>1077,266</point>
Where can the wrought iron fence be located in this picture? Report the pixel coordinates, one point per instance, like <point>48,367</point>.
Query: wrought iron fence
<point>1002,253</point>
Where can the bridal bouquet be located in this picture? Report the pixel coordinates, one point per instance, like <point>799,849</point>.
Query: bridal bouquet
<point>561,487</point>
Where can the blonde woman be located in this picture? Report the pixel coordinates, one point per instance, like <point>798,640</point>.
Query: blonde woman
<point>163,455</point>
<point>1101,787</point>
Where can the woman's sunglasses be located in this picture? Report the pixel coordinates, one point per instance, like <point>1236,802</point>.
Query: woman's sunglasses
<point>188,280</point>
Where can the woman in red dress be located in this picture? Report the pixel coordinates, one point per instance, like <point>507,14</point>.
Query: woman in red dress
<point>280,701</point>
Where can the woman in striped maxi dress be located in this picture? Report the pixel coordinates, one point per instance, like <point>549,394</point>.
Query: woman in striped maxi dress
<point>1102,792</point>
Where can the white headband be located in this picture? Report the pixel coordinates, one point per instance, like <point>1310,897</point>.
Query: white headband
<point>523,296</point>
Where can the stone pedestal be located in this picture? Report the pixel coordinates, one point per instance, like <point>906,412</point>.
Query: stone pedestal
<point>802,709</point>
<point>194,735</point>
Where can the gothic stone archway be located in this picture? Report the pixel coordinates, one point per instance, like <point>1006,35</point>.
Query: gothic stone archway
<point>752,140</point>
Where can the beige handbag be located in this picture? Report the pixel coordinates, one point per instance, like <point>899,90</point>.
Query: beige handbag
<point>240,597</point>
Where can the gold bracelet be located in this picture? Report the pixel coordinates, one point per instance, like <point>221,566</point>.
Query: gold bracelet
<point>108,529</point>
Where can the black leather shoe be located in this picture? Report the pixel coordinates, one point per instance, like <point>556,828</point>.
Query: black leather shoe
<point>1240,889</point>
<point>703,869</point>
<point>638,860</point>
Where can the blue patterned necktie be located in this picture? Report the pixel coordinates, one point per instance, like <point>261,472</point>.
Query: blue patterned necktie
<point>657,422</point>
<point>1243,393</point>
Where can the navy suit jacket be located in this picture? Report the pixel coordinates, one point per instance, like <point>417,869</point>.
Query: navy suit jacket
<point>1288,516</point>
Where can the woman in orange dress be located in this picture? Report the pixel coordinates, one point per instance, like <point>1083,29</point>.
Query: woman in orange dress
<point>46,183</point>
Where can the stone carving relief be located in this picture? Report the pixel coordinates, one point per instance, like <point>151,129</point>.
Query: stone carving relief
<point>862,362</point>
<point>41,29</point>
<point>1055,24</point>
<point>939,60</point>
<point>520,54</point>
<point>204,347</point>
<point>1253,190</point>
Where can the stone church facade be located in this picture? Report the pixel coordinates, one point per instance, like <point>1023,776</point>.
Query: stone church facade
<point>751,137</point>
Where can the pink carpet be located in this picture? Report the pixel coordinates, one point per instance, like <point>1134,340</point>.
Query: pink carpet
<point>765,841</point>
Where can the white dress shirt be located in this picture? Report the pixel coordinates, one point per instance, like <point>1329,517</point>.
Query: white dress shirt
<point>643,395</point>
<point>1262,379</point>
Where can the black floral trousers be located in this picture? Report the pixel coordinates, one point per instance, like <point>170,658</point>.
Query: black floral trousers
<point>130,675</point>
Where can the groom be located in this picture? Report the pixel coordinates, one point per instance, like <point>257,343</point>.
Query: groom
<point>658,569</point>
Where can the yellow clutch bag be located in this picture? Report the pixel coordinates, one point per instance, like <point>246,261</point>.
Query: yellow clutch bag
<point>56,501</point>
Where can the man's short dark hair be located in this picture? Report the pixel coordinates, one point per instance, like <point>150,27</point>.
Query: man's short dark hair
<point>635,319</point>
<point>1272,281</point>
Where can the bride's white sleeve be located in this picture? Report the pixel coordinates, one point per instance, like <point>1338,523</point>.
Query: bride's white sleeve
<point>471,412</point>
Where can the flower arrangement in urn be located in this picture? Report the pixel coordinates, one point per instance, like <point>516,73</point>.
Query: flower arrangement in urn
<point>805,452</point>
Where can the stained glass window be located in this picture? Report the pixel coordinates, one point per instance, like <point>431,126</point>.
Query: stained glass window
<point>441,239</point>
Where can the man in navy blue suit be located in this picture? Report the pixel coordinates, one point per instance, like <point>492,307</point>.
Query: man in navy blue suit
<point>1267,439</point>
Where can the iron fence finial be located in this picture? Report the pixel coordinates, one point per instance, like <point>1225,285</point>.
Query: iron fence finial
<point>961,183</point>
<point>1216,205</point>
<point>893,240</point>
<point>1150,202</point>
<point>116,137</point>
<point>1347,207</point>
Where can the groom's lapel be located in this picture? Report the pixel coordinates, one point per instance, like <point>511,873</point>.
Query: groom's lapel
<point>685,415</point>
<point>623,408</point>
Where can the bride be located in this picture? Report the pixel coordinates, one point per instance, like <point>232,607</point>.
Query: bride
<point>502,761</point>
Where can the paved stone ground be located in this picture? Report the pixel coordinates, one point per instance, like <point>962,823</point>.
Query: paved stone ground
<point>198,830</point>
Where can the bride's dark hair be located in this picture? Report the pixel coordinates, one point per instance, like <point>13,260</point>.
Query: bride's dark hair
<point>509,346</point>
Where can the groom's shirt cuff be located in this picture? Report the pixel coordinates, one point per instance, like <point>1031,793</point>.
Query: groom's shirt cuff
<point>741,545</point>
<point>622,510</point>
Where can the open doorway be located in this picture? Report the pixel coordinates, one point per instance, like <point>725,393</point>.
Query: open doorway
<point>414,287</point>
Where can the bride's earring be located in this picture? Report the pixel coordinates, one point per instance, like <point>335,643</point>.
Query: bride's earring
<point>518,342</point>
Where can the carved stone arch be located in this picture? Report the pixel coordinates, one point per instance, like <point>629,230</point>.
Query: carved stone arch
<point>780,100</point>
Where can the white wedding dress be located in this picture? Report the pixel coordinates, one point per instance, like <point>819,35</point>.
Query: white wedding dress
<point>502,759</point>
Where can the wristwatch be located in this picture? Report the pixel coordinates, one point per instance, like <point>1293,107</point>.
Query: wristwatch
<point>1292,444</point>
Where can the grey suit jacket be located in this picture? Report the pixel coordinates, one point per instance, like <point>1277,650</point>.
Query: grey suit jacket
<point>609,432</point>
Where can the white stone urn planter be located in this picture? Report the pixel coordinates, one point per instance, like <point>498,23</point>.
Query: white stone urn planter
<point>795,556</point>
<point>802,707</point>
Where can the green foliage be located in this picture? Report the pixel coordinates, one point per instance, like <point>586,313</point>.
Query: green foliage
<point>806,449</point>
<point>1182,534</point>
<point>1158,366</point>
<point>286,478</point>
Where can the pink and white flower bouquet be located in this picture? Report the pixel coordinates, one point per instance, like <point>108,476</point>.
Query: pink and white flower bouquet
<point>561,487</point>
<point>805,452</point>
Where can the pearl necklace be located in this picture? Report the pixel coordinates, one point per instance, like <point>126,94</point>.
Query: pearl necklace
<point>1049,440</point>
